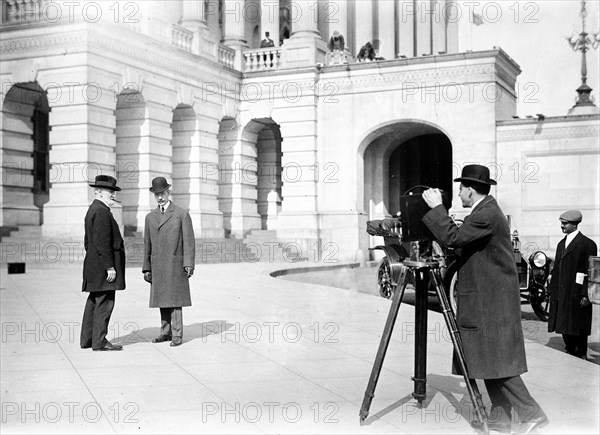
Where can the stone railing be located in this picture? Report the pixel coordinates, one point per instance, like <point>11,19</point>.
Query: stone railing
<point>262,59</point>
<point>182,38</point>
<point>26,11</point>
<point>226,56</point>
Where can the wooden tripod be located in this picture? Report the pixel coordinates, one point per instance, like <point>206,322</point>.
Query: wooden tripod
<point>422,271</point>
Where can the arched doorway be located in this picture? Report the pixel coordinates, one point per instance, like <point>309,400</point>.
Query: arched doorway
<point>250,175</point>
<point>25,182</point>
<point>400,156</point>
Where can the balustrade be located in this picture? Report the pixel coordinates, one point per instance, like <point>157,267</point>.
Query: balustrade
<point>262,59</point>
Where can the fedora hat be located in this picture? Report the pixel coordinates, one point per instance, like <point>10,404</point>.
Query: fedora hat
<point>476,174</point>
<point>159,184</point>
<point>105,182</point>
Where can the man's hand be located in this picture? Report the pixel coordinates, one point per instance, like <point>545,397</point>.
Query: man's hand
<point>148,277</point>
<point>584,302</point>
<point>111,274</point>
<point>433,197</point>
<point>189,271</point>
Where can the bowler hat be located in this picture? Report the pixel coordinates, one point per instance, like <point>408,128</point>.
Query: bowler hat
<point>159,184</point>
<point>476,174</point>
<point>105,182</point>
<point>571,216</point>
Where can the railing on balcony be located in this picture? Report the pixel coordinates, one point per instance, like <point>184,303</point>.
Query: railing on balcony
<point>24,11</point>
<point>262,59</point>
<point>226,56</point>
<point>182,38</point>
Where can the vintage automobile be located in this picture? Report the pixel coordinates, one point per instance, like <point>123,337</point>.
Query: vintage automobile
<point>533,271</point>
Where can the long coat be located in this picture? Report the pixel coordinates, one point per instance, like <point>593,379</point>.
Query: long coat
<point>566,314</point>
<point>169,246</point>
<point>489,303</point>
<point>104,248</point>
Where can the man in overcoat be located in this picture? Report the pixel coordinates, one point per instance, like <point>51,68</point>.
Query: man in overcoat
<point>169,259</point>
<point>103,266</point>
<point>570,307</point>
<point>489,304</point>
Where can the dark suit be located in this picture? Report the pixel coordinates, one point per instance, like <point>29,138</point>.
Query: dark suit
<point>104,249</point>
<point>169,246</point>
<point>567,316</point>
<point>489,304</point>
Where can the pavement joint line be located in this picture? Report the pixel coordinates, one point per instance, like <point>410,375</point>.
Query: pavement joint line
<point>104,416</point>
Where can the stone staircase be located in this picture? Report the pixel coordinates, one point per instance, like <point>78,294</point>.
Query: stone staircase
<point>26,244</point>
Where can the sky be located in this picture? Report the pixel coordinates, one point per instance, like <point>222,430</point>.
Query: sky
<point>533,34</point>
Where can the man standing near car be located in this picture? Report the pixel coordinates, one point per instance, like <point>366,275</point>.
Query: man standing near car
<point>169,259</point>
<point>489,303</point>
<point>570,307</point>
<point>103,266</point>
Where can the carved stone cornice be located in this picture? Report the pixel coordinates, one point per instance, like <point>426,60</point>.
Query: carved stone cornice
<point>536,133</point>
<point>69,41</point>
<point>150,54</point>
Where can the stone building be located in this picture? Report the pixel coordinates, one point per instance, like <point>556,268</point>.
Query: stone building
<point>273,142</point>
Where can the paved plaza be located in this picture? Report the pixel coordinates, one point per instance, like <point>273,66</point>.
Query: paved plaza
<point>260,355</point>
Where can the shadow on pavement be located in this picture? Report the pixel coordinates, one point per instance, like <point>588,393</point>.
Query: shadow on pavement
<point>190,332</point>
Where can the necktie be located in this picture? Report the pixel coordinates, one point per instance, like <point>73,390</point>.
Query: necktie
<point>162,210</point>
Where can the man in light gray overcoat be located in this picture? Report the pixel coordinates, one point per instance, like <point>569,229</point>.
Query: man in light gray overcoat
<point>169,259</point>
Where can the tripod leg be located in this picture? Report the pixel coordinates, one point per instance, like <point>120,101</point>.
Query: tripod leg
<point>420,378</point>
<point>383,345</point>
<point>471,384</point>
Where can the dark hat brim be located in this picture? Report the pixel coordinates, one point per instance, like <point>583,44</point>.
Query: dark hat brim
<point>477,180</point>
<point>107,187</point>
<point>158,190</point>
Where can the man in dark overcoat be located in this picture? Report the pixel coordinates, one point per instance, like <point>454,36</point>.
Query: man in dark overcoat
<point>570,307</point>
<point>103,266</point>
<point>489,304</point>
<point>169,259</point>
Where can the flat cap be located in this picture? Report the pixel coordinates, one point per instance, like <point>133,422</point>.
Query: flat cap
<point>571,216</point>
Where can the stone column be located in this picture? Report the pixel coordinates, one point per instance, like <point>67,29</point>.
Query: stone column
<point>82,145</point>
<point>451,14</point>
<point>194,19</point>
<point>364,23</point>
<point>387,28</point>
<point>305,16</point>
<point>424,26</point>
<point>439,27</point>
<point>144,150</point>
<point>269,20</point>
<point>406,16</point>
<point>195,169</point>
<point>305,46</point>
<point>234,24</point>
<point>238,178</point>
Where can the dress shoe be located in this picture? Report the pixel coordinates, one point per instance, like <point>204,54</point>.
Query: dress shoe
<point>176,341</point>
<point>531,425</point>
<point>110,346</point>
<point>161,338</point>
<point>87,346</point>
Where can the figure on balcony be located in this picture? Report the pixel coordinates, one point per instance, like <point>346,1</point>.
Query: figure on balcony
<point>336,55</point>
<point>367,53</point>
<point>267,42</point>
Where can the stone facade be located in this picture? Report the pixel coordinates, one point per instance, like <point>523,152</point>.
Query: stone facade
<point>269,139</point>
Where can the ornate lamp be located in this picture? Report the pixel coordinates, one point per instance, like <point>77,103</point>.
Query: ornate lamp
<point>583,42</point>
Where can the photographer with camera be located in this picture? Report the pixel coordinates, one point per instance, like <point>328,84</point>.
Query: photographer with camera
<point>489,304</point>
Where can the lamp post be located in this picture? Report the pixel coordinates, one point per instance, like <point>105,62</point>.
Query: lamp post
<point>583,42</point>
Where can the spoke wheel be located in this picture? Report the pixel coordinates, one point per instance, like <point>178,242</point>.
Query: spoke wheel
<point>385,288</point>
<point>540,302</point>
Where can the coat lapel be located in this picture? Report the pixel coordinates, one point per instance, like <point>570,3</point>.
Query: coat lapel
<point>574,243</point>
<point>166,216</point>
